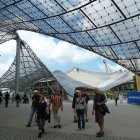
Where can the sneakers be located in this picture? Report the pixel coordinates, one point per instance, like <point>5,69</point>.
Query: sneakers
<point>59,126</point>
<point>28,125</point>
<point>100,134</point>
<point>40,134</point>
<point>80,129</point>
<point>55,126</point>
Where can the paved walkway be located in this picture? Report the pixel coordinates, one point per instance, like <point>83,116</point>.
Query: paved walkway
<point>123,123</point>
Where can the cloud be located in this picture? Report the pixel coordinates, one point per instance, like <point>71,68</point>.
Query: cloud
<point>7,52</point>
<point>52,52</point>
<point>8,48</point>
<point>59,52</point>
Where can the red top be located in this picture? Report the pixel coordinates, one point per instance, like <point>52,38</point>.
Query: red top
<point>56,101</point>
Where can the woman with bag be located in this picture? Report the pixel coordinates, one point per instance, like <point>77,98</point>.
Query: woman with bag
<point>80,107</point>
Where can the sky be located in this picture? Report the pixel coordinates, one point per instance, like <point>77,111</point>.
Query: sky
<point>55,54</point>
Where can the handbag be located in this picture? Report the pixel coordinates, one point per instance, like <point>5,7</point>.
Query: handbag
<point>104,109</point>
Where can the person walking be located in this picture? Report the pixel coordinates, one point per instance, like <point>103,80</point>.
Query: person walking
<point>80,107</point>
<point>57,106</point>
<point>73,106</point>
<point>42,111</point>
<point>7,97</point>
<point>99,99</point>
<point>121,98</point>
<point>86,107</point>
<point>116,99</point>
<point>17,100</point>
<point>35,101</point>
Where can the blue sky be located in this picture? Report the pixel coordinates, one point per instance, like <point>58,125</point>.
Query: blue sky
<point>55,54</point>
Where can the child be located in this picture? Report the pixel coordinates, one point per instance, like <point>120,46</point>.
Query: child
<point>42,111</point>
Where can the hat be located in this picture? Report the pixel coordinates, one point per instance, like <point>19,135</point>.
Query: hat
<point>77,91</point>
<point>35,91</point>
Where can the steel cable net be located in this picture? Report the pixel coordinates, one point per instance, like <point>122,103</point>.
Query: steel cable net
<point>31,70</point>
<point>110,28</point>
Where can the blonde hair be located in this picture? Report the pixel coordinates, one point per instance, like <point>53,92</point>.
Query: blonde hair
<point>77,91</point>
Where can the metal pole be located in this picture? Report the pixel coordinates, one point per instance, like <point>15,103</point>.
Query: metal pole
<point>17,65</point>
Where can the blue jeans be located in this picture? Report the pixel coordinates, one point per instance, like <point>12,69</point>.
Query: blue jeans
<point>81,118</point>
<point>33,110</point>
<point>41,123</point>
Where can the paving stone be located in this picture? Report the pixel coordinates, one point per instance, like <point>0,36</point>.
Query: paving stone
<point>18,134</point>
<point>120,124</point>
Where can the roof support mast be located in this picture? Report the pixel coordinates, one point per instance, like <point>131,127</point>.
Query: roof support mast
<point>18,40</point>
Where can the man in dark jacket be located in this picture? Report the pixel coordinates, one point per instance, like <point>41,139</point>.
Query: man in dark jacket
<point>73,105</point>
<point>7,97</point>
<point>17,100</point>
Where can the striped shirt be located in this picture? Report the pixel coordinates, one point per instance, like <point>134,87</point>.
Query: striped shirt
<point>56,101</point>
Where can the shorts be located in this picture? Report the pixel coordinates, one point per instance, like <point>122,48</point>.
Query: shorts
<point>99,117</point>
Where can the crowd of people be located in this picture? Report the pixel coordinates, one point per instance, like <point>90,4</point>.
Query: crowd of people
<point>42,107</point>
<point>17,98</point>
<point>80,107</point>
